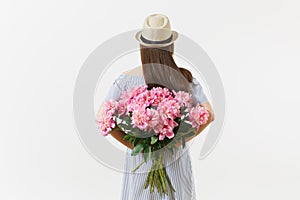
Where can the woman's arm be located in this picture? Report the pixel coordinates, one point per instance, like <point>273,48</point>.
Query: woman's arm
<point>117,134</point>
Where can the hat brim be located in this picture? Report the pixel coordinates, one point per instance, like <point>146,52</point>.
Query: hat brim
<point>138,37</point>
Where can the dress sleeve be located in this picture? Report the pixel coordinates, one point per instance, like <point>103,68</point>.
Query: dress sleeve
<point>116,88</point>
<point>197,92</point>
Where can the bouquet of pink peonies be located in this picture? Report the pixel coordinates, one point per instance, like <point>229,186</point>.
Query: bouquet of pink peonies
<point>153,119</point>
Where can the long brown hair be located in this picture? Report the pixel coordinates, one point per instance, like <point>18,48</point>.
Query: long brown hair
<point>160,69</point>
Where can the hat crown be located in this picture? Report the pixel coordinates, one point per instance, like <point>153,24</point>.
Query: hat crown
<point>157,27</point>
<point>156,31</point>
<point>157,21</point>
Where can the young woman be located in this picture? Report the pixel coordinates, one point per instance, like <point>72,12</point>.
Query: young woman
<point>158,69</point>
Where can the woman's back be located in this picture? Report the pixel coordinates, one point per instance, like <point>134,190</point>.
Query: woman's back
<point>178,165</point>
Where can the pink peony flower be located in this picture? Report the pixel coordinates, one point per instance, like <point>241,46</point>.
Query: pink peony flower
<point>157,94</point>
<point>106,124</point>
<point>166,131</point>
<point>169,109</point>
<point>154,119</point>
<point>129,97</point>
<point>198,115</point>
<point>121,108</point>
<point>140,99</point>
<point>140,118</point>
<point>135,91</point>
<point>110,107</point>
<point>184,98</point>
<point>159,126</point>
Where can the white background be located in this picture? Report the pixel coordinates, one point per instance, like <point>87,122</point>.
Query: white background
<point>254,44</point>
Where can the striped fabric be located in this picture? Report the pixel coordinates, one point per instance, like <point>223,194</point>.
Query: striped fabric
<point>178,165</point>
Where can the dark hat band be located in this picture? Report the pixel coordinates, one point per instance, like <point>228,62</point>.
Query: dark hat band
<point>156,42</point>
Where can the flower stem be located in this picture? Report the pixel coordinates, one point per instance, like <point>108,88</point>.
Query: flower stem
<point>168,180</point>
<point>162,176</point>
<point>149,177</point>
<point>138,166</point>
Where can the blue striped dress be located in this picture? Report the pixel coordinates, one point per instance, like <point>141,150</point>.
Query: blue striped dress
<point>178,165</point>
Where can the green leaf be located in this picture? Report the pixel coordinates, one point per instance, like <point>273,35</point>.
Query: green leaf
<point>190,134</point>
<point>137,149</point>
<point>121,126</point>
<point>136,140</point>
<point>125,126</point>
<point>127,137</point>
<point>183,141</point>
<point>184,127</point>
<point>147,153</point>
<point>153,140</point>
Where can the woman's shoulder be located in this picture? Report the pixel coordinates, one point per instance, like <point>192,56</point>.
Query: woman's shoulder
<point>137,71</point>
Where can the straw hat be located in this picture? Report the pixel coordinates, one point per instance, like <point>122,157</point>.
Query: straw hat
<point>156,32</point>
